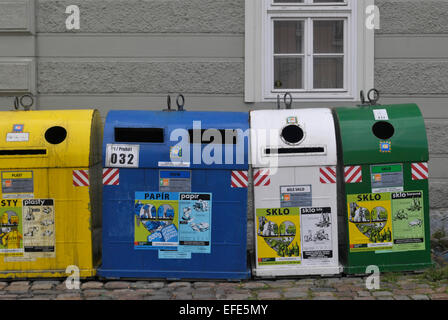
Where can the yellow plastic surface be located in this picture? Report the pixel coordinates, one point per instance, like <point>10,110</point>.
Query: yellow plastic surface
<point>77,215</point>
<point>73,152</point>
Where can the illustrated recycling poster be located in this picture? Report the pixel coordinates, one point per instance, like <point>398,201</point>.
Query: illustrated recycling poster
<point>176,224</point>
<point>370,222</point>
<point>278,236</point>
<point>316,229</point>
<point>386,221</point>
<point>27,229</point>
<point>11,224</point>
<point>288,236</point>
<point>408,221</point>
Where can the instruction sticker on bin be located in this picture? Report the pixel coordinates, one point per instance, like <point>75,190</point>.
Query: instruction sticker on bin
<point>317,243</point>
<point>296,196</point>
<point>408,221</point>
<point>176,222</point>
<point>387,178</point>
<point>17,184</point>
<point>39,228</point>
<point>122,156</point>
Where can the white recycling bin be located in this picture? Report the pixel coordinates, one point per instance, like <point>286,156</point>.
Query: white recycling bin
<point>294,159</point>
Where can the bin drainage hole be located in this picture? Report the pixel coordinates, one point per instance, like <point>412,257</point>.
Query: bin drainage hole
<point>292,134</point>
<point>56,135</point>
<point>383,130</point>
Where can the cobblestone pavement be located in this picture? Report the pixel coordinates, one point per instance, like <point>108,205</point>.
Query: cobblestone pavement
<point>392,287</point>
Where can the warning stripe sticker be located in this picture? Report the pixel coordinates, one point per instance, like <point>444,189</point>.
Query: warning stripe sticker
<point>353,174</point>
<point>239,179</point>
<point>261,178</point>
<point>420,171</point>
<point>327,175</point>
<point>111,177</point>
<point>81,178</point>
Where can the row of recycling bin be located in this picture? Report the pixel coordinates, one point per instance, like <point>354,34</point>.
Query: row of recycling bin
<point>166,196</point>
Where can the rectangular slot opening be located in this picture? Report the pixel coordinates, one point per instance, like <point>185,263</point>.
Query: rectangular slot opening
<point>227,136</point>
<point>291,151</point>
<point>142,135</point>
<point>23,152</point>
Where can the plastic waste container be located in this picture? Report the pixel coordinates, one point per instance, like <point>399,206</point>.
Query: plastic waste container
<point>384,192</point>
<point>294,162</point>
<point>174,204</point>
<point>50,200</point>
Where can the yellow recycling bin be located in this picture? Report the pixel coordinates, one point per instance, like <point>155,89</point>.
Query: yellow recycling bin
<point>50,193</point>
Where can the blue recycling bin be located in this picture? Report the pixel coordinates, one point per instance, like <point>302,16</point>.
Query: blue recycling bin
<point>175,195</point>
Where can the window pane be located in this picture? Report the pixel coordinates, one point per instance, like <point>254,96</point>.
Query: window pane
<point>328,36</point>
<point>328,73</point>
<point>288,73</point>
<point>288,36</point>
<point>328,1</point>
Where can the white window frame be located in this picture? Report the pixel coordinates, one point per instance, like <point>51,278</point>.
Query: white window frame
<point>259,42</point>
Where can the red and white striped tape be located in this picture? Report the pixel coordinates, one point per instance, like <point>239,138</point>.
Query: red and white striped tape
<point>239,179</point>
<point>327,175</point>
<point>261,178</point>
<point>81,178</point>
<point>419,171</point>
<point>111,177</point>
<point>353,174</point>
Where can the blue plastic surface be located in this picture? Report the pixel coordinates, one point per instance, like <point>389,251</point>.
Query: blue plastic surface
<point>227,258</point>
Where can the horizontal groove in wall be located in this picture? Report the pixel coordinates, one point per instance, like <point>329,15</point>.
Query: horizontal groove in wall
<point>138,46</point>
<point>139,34</point>
<point>81,60</point>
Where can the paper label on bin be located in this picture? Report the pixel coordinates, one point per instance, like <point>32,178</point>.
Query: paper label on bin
<point>122,156</point>
<point>174,181</point>
<point>380,114</point>
<point>173,164</point>
<point>387,178</point>
<point>17,137</point>
<point>296,196</point>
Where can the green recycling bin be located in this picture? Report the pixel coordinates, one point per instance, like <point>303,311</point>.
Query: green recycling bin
<point>384,203</point>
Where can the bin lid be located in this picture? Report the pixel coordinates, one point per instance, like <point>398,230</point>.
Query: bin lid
<point>163,139</point>
<point>300,137</point>
<point>49,139</point>
<point>382,134</point>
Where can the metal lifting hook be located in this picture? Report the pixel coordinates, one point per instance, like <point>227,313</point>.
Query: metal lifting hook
<point>180,106</point>
<point>288,104</point>
<point>21,102</point>
<point>373,96</point>
<point>180,101</point>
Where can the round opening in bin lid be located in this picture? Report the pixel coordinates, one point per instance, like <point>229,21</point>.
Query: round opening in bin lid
<point>383,130</point>
<point>292,134</point>
<point>56,135</point>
